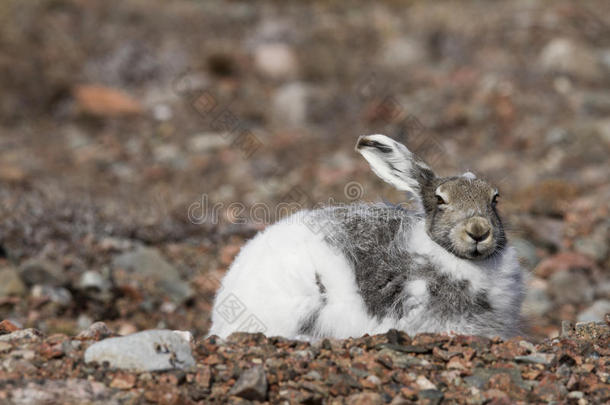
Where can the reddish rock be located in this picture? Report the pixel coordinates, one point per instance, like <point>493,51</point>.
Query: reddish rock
<point>123,381</point>
<point>7,327</point>
<point>97,331</point>
<point>105,101</point>
<point>563,262</point>
<point>550,389</point>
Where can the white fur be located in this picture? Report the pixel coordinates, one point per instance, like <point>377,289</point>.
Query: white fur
<point>469,175</point>
<point>273,277</point>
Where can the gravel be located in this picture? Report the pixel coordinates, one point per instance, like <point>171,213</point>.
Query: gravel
<point>251,367</point>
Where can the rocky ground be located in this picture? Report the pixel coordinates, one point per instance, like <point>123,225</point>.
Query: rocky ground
<point>391,368</point>
<point>142,143</point>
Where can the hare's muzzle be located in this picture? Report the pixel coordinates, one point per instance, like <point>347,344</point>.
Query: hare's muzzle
<point>478,229</point>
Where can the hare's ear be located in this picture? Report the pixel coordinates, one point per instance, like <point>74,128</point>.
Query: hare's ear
<point>395,164</point>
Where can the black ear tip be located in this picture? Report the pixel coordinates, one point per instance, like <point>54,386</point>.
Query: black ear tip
<point>363,142</point>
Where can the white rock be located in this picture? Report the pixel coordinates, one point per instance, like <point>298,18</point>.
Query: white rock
<point>563,55</point>
<point>596,312</point>
<point>208,142</point>
<point>290,105</point>
<point>144,351</point>
<point>537,302</point>
<point>425,384</point>
<point>275,60</point>
<point>402,52</point>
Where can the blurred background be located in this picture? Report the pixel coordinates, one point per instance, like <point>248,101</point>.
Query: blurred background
<point>143,142</point>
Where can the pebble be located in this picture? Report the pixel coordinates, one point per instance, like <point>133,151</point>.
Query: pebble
<point>365,398</point>
<point>536,358</point>
<point>563,55</point>
<point>563,261</point>
<point>275,60</point>
<point>570,286</point>
<point>57,295</point>
<point>105,101</point>
<point>251,385</point>
<point>526,251</point>
<point>596,312</point>
<point>7,326</point>
<point>149,350</point>
<point>96,331</point>
<point>10,282</point>
<point>70,391</point>
<point>290,105</point>
<point>425,384</point>
<point>43,272</point>
<point>536,302</point>
<point>148,262</point>
<point>207,142</point>
<point>402,52</point>
<point>22,334</point>
<point>431,396</point>
<point>94,281</point>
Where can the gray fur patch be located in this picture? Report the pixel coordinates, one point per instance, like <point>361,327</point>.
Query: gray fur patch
<point>373,238</point>
<point>308,325</point>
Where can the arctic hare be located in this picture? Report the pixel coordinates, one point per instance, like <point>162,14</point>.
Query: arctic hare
<point>350,270</point>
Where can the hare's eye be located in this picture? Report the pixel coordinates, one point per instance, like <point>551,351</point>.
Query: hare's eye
<point>494,200</point>
<point>439,200</point>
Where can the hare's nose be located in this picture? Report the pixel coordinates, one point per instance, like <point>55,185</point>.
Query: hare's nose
<point>478,229</point>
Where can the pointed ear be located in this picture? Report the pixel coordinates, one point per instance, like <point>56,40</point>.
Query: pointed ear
<point>394,163</point>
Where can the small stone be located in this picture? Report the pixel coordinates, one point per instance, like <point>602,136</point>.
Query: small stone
<point>576,395</point>
<point>10,283</point>
<point>526,251</point>
<point>57,295</point>
<point>22,334</point>
<point>563,55</point>
<point>365,398</point>
<point>148,263</point>
<point>123,381</point>
<point>589,330</point>
<point>596,312</point>
<point>400,400</point>
<point>275,60</point>
<point>203,377</point>
<point>399,359</point>
<point>536,358</point>
<point>207,142</point>
<point>592,247</point>
<point>105,101</point>
<point>7,327</point>
<point>251,385</point>
<point>536,302</point>
<point>563,262</point>
<point>425,384</point>
<point>70,391</point>
<point>402,52</point>
<point>550,389</point>
<point>567,328</point>
<point>290,105</point>
<point>571,286</point>
<point>150,350</point>
<point>94,281</point>
<point>42,272</point>
<point>430,396</point>
<point>528,346</point>
<point>96,331</point>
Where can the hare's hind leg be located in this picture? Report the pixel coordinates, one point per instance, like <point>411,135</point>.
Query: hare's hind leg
<point>272,286</point>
